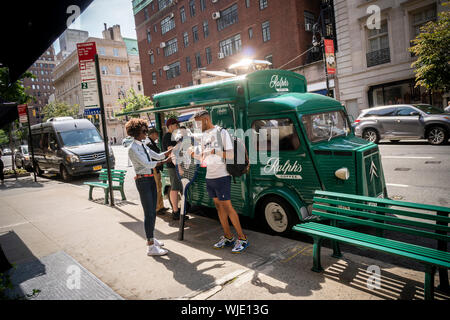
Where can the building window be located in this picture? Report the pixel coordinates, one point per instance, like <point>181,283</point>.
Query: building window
<point>288,139</point>
<point>188,64</point>
<point>157,51</point>
<point>421,18</point>
<point>182,15</point>
<point>270,59</point>
<point>101,50</point>
<point>247,3</point>
<point>250,33</point>
<point>149,36</point>
<point>186,39</point>
<point>208,55</point>
<point>167,24</point>
<point>202,5</point>
<point>174,70</point>
<point>154,77</point>
<point>205,29</point>
<point>192,7</point>
<point>139,86</point>
<point>160,72</point>
<point>266,31</point>
<point>152,58</point>
<point>171,47</point>
<point>195,33</point>
<point>198,60</point>
<point>115,52</point>
<point>163,3</point>
<point>104,70</point>
<point>309,20</point>
<point>118,71</point>
<point>231,45</point>
<point>228,17</point>
<point>146,13</point>
<point>155,28</point>
<point>378,46</point>
<point>263,4</point>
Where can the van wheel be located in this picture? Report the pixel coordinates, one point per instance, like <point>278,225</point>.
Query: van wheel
<point>371,135</point>
<point>38,170</point>
<point>437,136</point>
<point>65,174</point>
<point>277,215</point>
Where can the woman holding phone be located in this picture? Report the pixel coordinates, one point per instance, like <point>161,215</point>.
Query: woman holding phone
<point>144,160</point>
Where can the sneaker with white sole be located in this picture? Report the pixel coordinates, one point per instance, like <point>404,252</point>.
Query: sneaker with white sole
<point>240,246</point>
<point>158,242</point>
<point>224,242</point>
<point>156,251</point>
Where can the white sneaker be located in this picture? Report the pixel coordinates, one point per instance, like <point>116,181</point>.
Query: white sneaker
<point>155,251</point>
<point>158,243</point>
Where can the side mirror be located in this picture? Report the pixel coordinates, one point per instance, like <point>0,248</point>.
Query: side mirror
<point>414,113</point>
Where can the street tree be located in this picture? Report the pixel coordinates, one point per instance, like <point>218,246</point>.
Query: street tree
<point>60,109</point>
<point>432,49</point>
<point>134,102</point>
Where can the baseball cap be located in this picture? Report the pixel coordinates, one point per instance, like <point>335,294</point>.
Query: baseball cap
<point>200,113</point>
<point>171,121</point>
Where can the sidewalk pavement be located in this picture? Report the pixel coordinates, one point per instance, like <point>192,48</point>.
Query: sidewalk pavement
<point>41,219</point>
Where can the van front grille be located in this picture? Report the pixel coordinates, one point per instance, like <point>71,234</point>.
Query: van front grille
<point>93,156</point>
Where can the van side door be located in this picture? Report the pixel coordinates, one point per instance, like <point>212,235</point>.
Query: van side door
<point>280,156</point>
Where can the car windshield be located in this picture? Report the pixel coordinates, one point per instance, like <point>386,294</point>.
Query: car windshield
<point>428,109</point>
<point>80,137</point>
<point>24,149</point>
<point>325,125</point>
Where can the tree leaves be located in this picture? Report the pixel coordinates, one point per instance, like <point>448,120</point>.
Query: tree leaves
<point>134,102</point>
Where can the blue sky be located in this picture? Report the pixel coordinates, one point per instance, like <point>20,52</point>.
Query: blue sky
<point>110,12</point>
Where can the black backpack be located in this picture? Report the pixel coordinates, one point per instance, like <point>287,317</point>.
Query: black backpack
<point>241,165</point>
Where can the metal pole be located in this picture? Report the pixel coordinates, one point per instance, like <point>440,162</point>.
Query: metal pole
<point>105,133</point>
<point>325,64</point>
<point>30,144</point>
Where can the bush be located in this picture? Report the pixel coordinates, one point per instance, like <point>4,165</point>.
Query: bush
<point>18,171</point>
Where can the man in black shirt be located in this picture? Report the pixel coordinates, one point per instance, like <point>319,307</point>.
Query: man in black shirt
<point>153,136</point>
<point>175,183</point>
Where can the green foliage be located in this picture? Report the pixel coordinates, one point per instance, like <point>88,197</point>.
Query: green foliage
<point>4,139</point>
<point>14,92</point>
<point>432,49</point>
<point>60,109</point>
<point>172,114</point>
<point>134,102</point>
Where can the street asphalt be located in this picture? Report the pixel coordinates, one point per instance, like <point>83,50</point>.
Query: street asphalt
<point>50,217</point>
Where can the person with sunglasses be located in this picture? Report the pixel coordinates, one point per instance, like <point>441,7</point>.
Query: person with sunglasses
<point>142,157</point>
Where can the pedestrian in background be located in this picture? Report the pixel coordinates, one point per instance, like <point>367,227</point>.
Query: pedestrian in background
<point>2,176</point>
<point>141,157</point>
<point>151,143</point>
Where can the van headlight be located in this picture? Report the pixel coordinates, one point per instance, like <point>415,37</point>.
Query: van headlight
<point>72,158</point>
<point>342,174</point>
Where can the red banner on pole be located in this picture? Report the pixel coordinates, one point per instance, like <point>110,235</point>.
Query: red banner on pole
<point>329,56</point>
<point>22,110</point>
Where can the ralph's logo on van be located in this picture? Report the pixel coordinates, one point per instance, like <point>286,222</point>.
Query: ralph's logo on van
<point>279,83</point>
<point>287,170</point>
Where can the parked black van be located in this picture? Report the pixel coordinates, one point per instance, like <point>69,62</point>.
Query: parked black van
<point>69,147</point>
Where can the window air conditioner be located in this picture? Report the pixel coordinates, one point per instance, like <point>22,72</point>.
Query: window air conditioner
<point>154,81</point>
<point>308,27</point>
<point>165,68</point>
<point>178,86</point>
<point>171,15</point>
<point>214,1</point>
<point>216,15</point>
<point>162,44</point>
<point>220,55</point>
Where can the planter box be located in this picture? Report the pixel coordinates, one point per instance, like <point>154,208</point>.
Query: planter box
<point>8,176</point>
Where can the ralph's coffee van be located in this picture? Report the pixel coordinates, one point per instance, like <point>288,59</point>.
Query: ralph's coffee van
<point>316,150</point>
<point>69,147</point>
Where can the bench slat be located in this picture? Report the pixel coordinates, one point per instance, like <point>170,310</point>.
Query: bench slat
<point>355,239</point>
<point>425,216</point>
<point>97,184</point>
<point>384,201</point>
<point>379,225</point>
<point>382,217</point>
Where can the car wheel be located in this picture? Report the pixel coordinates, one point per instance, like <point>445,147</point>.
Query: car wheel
<point>371,135</point>
<point>277,216</point>
<point>38,170</point>
<point>65,174</point>
<point>437,136</point>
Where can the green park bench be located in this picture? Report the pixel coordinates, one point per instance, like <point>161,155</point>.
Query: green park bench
<point>116,176</point>
<point>342,210</point>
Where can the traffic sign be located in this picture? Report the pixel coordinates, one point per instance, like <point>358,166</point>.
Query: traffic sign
<point>89,89</point>
<point>22,110</point>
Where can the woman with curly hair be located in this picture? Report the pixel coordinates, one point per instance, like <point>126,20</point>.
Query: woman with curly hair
<point>142,157</point>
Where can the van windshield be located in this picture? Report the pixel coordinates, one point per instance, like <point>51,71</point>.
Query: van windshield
<point>79,137</point>
<point>325,125</point>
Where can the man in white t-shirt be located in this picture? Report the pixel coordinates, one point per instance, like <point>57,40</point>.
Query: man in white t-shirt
<point>218,180</point>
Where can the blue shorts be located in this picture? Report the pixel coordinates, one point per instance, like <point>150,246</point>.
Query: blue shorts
<point>219,188</point>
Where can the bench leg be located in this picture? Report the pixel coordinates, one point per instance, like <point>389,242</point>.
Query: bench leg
<point>429,282</point>
<point>336,250</point>
<point>443,281</point>
<point>90,192</point>
<point>106,195</point>
<point>123,194</point>
<point>316,255</point>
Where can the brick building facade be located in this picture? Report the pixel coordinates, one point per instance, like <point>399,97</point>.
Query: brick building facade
<point>177,38</point>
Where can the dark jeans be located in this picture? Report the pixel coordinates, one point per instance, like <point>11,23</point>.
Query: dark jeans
<point>147,193</point>
<point>2,177</point>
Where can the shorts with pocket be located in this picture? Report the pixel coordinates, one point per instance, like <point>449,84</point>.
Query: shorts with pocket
<point>175,182</point>
<point>219,188</point>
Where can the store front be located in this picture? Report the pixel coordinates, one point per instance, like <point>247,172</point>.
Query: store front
<point>400,92</point>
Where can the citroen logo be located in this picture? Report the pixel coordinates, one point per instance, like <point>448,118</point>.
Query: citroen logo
<point>373,171</point>
<point>95,156</point>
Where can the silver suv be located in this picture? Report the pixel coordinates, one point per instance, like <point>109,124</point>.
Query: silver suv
<point>404,122</point>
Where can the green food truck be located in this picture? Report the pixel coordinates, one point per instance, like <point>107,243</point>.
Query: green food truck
<point>317,148</point>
